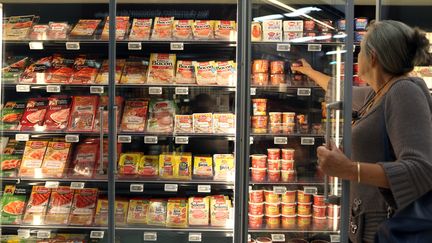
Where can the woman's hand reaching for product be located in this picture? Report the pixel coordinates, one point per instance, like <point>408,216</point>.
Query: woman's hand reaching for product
<point>320,78</point>
<point>333,162</point>
<point>305,68</point>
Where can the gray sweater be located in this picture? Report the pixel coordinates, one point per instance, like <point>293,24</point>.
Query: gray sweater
<point>397,134</point>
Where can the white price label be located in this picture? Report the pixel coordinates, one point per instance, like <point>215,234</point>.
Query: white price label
<point>96,89</point>
<point>283,47</point>
<point>279,189</point>
<point>314,47</point>
<point>22,137</point>
<point>43,234</point>
<point>251,140</point>
<point>72,138</point>
<point>137,188</point>
<point>253,91</point>
<point>52,184</point>
<point>134,46</point>
<point>195,237</point>
<point>181,90</point>
<point>150,140</point>
<point>204,188</point>
<point>249,237</point>
<point>307,141</point>
<point>36,45</point>
<point>22,88</point>
<point>72,46</point>
<point>278,237</point>
<point>97,234</point>
<point>334,238</point>
<point>124,139</point>
<point>182,140</point>
<point>280,140</point>
<point>177,46</point>
<point>77,185</point>
<point>53,88</point>
<point>155,90</point>
<point>310,190</point>
<point>171,187</point>
<point>24,233</point>
<point>150,236</point>
<point>304,92</point>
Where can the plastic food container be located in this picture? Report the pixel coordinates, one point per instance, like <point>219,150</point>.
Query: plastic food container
<point>263,240</point>
<point>272,221</point>
<point>331,210</point>
<point>288,154</point>
<point>288,117</point>
<point>320,223</point>
<point>260,79</point>
<point>277,67</point>
<point>256,208</point>
<point>274,175</point>
<point>272,209</point>
<point>304,208</point>
<point>258,174</point>
<point>256,196</point>
<point>319,211</point>
<point>303,198</point>
<point>289,209</point>
<point>276,79</point>
<point>273,153</point>
<point>255,221</point>
<point>259,161</point>
<point>259,124</point>
<point>304,221</point>
<point>288,221</point>
<point>273,164</point>
<point>287,128</point>
<point>319,200</point>
<point>289,197</point>
<point>271,197</point>
<point>288,175</point>
<point>275,128</point>
<point>260,66</point>
<point>275,117</point>
<point>309,25</point>
<point>259,107</point>
<point>287,164</point>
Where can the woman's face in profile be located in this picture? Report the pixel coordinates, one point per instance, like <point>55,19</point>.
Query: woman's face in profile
<point>364,62</point>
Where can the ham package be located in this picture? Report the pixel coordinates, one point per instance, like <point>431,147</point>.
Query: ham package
<point>135,71</point>
<point>34,114</point>
<point>102,77</point>
<point>199,210</point>
<point>85,28</point>
<point>161,118</point>
<point>103,103</point>
<point>140,30</point>
<point>203,29</point>
<point>86,155</point>
<point>37,206</point>
<point>39,32</point>
<point>162,29</point>
<point>83,113</point>
<point>37,72</point>
<point>226,73</point>
<point>60,205</point>
<point>185,72</point>
<point>85,70</point>
<point>225,30</point>
<point>205,73</point>
<point>58,30</point>
<point>57,115</point>
<point>182,29</point>
<point>61,70</point>
<point>220,207</point>
<point>162,68</point>
<point>18,27</point>
<point>134,115</point>
<point>184,124</point>
<point>122,25</point>
<point>83,207</point>
<point>203,122</point>
<point>11,115</point>
<point>224,122</point>
<point>55,160</point>
<point>34,153</point>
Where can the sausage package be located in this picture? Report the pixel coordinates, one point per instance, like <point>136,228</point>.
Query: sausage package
<point>83,165</point>
<point>57,115</point>
<point>122,26</point>
<point>11,115</point>
<point>225,30</point>
<point>39,32</point>
<point>182,29</point>
<point>18,27</point>
<point>128,164</point>
<point>162,29</point>
<point>223,167</point>
<point>134,116</point>
<point>185,73</point>
<point>55,160</point>
<point>140,29</point>
<point>102,77</point>
<point>220,207</point>
<point>224,123</point>
<point>226,73</point>
<point>83,113</point>
<point>37,71</point>
<point>166,165</point>
<point>13,203</point>
<point>85,28</point>
<point>161,68</point>
<point>37,206</point>
<point>203,122</point>
<point>205,73</point>
<point>34,153</point>
<point>203,29</point>
<point>157,212</point>
<point>177,212</point>
<point>34,114</point>
<point>85,70</point>
<point>61,70</point>
<point>148,166</point>
<point>58,30</point>
<point>183,166</point>
<point>13,67</point>
<point>184,124</point>
<point>137,213</point>
<point>199,210</point>
<point>59,206</point>
<point>83,207</point>
<point>161,118</point>
<point>203,166</point>
<point>135,71</point>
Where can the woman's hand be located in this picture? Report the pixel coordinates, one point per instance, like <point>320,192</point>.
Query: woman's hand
<point>306,68</point>
<point>333,162</point>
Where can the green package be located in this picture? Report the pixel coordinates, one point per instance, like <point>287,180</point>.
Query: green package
<point>12,206</point>
<point>11,114</point>
<point>10,164</point>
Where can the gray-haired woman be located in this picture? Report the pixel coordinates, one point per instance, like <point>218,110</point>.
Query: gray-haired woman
<point>392,133</point>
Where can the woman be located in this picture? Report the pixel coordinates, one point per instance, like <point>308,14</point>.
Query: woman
<point>391,162</point>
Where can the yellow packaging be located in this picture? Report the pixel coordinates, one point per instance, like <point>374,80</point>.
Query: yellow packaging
<point>148,165</point>
<point>121,209</point>
<point>128,164</point>
<point>199,209</point>
<point>177,212</point>
<point>166,165</point>
<point>203,166</point>
<point>137,212</point>
<point>101,216</point>
<point>157,212</point>
<point>183,166</point>
<point>161,68</point>
<point>223,167</point>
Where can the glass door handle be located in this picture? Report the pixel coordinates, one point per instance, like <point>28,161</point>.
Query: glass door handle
<point>101,141</point>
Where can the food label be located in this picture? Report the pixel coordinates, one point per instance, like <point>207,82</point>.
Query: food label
<point>278,237</point>
<point>140,29</point>
<point>171,187</point>
<point>97,234</point>
<point>161,68</point>
<point>185,72</point>
<point>150,236</point>
<point>195,237</point>
<point>204,188</point>
<point>307,141</point>
<point>203,29</point>
<point>136,188</point>
<point>162,29</point>
<point>283,47</point>
<point>134,46</point>
<point>72,46</point>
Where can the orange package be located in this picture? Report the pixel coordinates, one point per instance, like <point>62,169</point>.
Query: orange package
<point>56,158</point>
<point>162,29</point>
<point>182,29</point>
<point>161,68</point>
<point>102,77</point>
<point>32,159</point>
<point>134,116</point>
<point>122,25</point>
<point>203,29</point>
<point>60,205</point>
<point>83,206</point>
<point>37,206</point>
<point>157,212</point>
<point>140,29</point>
<point>177,212</point>
<point>83,113</point>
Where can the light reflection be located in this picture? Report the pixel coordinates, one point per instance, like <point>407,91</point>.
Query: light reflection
<point>302,11</point>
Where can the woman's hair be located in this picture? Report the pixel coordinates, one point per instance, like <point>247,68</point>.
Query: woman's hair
<point>397,46</point>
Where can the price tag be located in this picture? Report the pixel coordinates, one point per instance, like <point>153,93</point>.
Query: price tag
<point>137,188</point>
<point>134,46</point>
<point>251,140</point>
<point>150,140</point>
<point>155,90</point>
<point>177,46</point>
<point>124,139</point>
<point>249,237</point>
<point>310,190</point>
<point>171,187</point>
<point>253,91</point>
<point>24,233</point>
<point>53,89</point>
<point>72,138</point>
<point>280,140</point>
<point>97,234</point>
<point>314,47</point>
<point>96,89</point>
<point>307,141</point>
<point>283,47</point>
<point>43,234</point>
<point>195,237</point>
<point>22,137</point>
<point>150,236</point>
<point>36,45</point>
<point>181,90</point>
<point>278,237</point>
<point>52,184</point>
<point>77,185</point>
<point>182,140</point>
<point>304,92</point>
<point>204,188</point>
<point>72,46</point>
<point>279,189</point>
<point>334,238</point>
<point>21,88</point>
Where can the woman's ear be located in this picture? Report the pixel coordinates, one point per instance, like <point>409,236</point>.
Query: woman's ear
<point>373,59</point>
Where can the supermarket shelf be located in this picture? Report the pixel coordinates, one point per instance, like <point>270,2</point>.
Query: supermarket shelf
<point>54,227</point>
<point>298,183</point>
<point>291,231</point>
<point>188,229</point>
<point>286,135</point>
<point>302,43</point>
<point>161,181</point>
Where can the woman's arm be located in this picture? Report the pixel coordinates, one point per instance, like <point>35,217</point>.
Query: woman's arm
<point>319,78</point>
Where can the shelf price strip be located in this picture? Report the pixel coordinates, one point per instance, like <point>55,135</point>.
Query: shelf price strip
<point>24,233</point>
<point>77,185</point>
<point>253,91</point>
<point>137,188</point>
<point>278,237</point>
<point>124,139</point>
<point>279,189</point>
<point>53,88</point>
<point>43,234</point>
<point>181,90</point>
<point>22,137</point>
<point>72,46</point>
<point>334,238</point>
<point>195,237</point>
<point>22,88</point>
<point>72,138</point>
<point>36,45</point>
<point>171,187</point>
<point>97,234</point>
<point>204,188</point>
<point>283,47</point>
<point>155,90</point>
<point>52,184</point>
<point>134,46</point>
<point>182,140</point>
<point>280,140</point>
<point>96,89</point>
<point>304,92</point>
<point>177,46</point>
<point>310,190</point>
<point>150,236</point>
<point>314,47</point>
<point>307,141</point>
<point>150,140</point>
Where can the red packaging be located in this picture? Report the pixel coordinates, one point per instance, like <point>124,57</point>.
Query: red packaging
<point>58,30</point>
<point>288,154</point>
<point>331,211</point>
<point>289,197</point>
<point>304,208</point>
<point>85,70</point>
<point>259,161</point>
<point>34,114</point>
<point>61,70</point>
<point>275,117</point>
<point>277,67</point>
<point>274,175</point>
<point>255,221</point>
<point>37,72</point>
<point>83,113</point>
<point>319,211</point>
<point>304,221</point>
<point>289,209</point>
<point>289,221</point>
<point>83,207</point>
<point>258,174</point>
<point>271,197</point>
<point>287,165</point>
<point>303,198</point>
<point>83,165</point>
<point>134,116</point>
<point>59,206</point>
<point>260,66</point>
<point>104,159</point>
<point>272,221</point>
<point>319,200</point>
<point>288,175</point>
<point>320,223</point>
<point>309,25</point>
<point>57,116</point>
<point>259,124</point>
<point>256,196</point>
<point>260,79</point>
<point>272,209</point>
<point>256,208</point>
<point>37,205</point>
<point>103,102</point>
<point>273,153</point>
<point>39,32</point>
<point>259,107</point>
<point>276,79</point>
<point>273,165</point>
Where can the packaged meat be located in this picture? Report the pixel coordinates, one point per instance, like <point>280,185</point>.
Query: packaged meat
<point>10,164</point>
<point>122,26</point>
<point>224,123</point>
<point>34,114</point>
<point>177,213</point>
<point>223,167</point>
<point>225,30</point>
<point>84,162</point>
<point>182,29</point>
<point>103,102</point>
<point>220,207</point>
<point>57,115</point>
<point>203,122</point>
<point>128,164</point>
<point>102,172</point>
<point>18,27</point>
<point>13,67</point>
<point>272,25</point>
<point>121,210</point>
<point>199,210</point>
<point>161,118</point>
<point>205,72</point>
<point>60,205</point>
<point>11,115</point>
<point>203,166</point>
<point>203,29</point>
<point>14,147</point>
<point>135,71</point>
<point>272,35</point>
<point>293,25</point>
<point>12,205</point>
<point>226,73</point>
<point>85,70</point>
<point>32,158</point>
<point>162,29</point>
<point>101,215</point>
<point>148,166</point>
<point>55,160</point>
<point>61,70</point>
<point>83,207</point>
<point>162,68</point>
<point>183,124</point>
<point>260,66</point>
<point>256,32</point>
<point>185,73</point>
<point>166,165</point>
<point>134,115</point>
<point>137,212</point>
<point>157,212</point>
<point>83,113</point>
<point>140,29</point>
<point>39,32</point>
<point>292,36</point>
<point>102,77</point>
<point>183,166</point>
<point>58,30</point>
<point>37,71</point>
<point>37,206</point>
<point>85,28</point>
